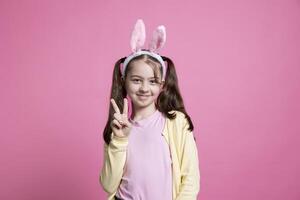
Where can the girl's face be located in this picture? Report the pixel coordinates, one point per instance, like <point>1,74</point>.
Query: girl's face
<point>141,85</point>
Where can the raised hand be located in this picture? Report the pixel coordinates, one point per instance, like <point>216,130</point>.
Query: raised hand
<point>120,124</point>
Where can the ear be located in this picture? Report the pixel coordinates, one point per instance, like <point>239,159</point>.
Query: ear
<point>138,36</point>
<point>161,87</point>
<point>158,39</point>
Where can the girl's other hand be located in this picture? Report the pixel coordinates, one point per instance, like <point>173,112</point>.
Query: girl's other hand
<point>120,124</point>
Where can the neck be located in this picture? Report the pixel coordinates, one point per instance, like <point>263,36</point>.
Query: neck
<point>141,113</point>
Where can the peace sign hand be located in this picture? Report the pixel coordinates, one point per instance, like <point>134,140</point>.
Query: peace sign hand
<point>120,125</point>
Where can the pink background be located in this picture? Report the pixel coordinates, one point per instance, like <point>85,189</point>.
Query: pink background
<point>238,64</point>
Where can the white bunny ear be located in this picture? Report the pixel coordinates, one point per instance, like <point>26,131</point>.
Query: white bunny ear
<point>158,39</point>
<point>138,36</point>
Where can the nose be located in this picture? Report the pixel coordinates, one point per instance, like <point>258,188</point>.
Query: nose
<point>144,87</point>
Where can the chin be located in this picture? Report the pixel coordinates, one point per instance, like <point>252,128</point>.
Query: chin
<point>142,104</point>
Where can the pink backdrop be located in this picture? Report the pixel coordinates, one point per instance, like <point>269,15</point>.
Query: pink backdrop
<point>238,64</point>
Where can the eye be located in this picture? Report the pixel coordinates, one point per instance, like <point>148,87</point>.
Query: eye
<point>152,82</point>
<point>136,80</point>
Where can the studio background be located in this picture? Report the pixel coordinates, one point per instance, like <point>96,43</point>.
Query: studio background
<point>238,64</point>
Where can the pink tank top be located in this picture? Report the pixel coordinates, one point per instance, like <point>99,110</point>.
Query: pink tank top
<point>148,168</point>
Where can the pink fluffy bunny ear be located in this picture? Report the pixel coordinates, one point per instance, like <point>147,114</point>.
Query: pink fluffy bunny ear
<point>158,39</point>
<point>138,36</point>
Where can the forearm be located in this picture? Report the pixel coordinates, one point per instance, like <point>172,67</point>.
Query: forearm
<point>114,161</point>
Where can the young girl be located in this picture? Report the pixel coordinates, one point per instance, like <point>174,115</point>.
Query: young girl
<point>152,154</point>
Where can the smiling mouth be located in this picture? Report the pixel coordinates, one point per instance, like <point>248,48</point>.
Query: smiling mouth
<point>140,95</point>
<point>143,97</point>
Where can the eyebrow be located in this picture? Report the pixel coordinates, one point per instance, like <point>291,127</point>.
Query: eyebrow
<point>132,76</point>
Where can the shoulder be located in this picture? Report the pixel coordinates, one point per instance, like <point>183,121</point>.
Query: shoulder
<point>178,127</point>
<point>180,117</point>
<point>178,114</point>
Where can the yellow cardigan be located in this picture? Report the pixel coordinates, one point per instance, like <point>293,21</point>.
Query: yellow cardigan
<point>185,164</point>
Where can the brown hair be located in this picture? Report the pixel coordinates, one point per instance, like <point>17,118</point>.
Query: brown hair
<point>169,98</point>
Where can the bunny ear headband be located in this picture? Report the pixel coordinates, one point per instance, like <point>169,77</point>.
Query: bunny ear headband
<point>138,37</point>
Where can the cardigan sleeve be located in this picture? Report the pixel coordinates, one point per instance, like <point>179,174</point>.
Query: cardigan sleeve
<point>190,173</point>
<point>113,165</point>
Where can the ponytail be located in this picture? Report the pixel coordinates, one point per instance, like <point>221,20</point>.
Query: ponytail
<point>118,93</point>
<point>170,98</point>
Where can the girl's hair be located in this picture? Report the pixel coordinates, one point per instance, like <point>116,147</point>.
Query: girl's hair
<point>169,99</point>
